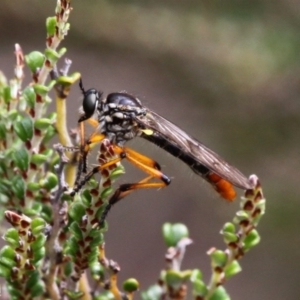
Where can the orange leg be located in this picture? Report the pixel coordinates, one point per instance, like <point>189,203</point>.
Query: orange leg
<point>85,147</point>
<point>144,163</point>
<point>93,122</point>
<point>133,156</point>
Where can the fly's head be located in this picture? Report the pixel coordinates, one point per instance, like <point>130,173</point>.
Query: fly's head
<point>116,114</point>
<point>91,100</point>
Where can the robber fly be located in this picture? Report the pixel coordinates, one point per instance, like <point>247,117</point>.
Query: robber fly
<point>121,117</point>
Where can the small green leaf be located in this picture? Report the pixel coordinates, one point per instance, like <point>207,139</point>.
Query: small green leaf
<point>51,24</point>
<point>50,133</point>
<point>261,205</point>
<point>93,255</point>
<point>220,294</point>
<point>199,288</point>
<point>29,96</point>
<point>167,234</point>
<point>5,187</point>
<point>46,214</point>
<point>37,226</point>
<point>52,117</point>
<point>63,50</point>
<point>39,242</point>
<point>196,275</point>
<point>6,94</point>
<point>34,60</point>
<point>37,207</point>
<point>37,289</point>
<point>93,183</point>
<point>232,269</point>
<point>53,56</point>
<point>38,159</point>
<point>5,271</point>
<point>13,291</point>
<point>3,161</point>
<point>130,285</point>
<point>97,240</point>
<point>43,123</point>
<point>94,233</point>
<point>50,86</point>
<point>77,211</point>
<point>219,258</point>
<point>242,214</point>
<point>173,233</point>
<point>72,247</point>
<point>97,270</point>
<point>34,284</point>
<point>18,186</point>
<point>49,182</point>
<point>106,192</point>
<point>117,172</point>
<point>76,231</point>
<point>13,115</point>
<point>68,269</point>
<point>21,159</point>
<point>2,131</point>
<point>33,279</point>
<point>7,256</point>
<point>230,237</point>
<point>251,240</point>
<point>33,186</point>
<point>228,227</point>
<point>174,278</point>
<point>11,236</point>
<point>30,212</point>
<point>38,254</point>
<point>41,89</point>
<point>68,80</point>
<point>24,129</point>
<point>86,198</point>
<point>3,168</point>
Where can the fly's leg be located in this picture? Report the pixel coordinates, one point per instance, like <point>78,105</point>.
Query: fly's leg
<point>142,162</point>
<point>120,193</point>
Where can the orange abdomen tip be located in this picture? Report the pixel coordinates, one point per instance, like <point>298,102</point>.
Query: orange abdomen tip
<point>226,190</point>
<point>222,186</point>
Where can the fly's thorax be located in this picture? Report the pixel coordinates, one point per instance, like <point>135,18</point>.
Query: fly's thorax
<point>117,114</point>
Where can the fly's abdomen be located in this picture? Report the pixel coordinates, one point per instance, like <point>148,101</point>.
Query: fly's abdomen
<point>223,187</point>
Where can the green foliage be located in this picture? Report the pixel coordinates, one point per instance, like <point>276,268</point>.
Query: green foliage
<point>34,60</point>
<point>173,233</point>
<point>24,129</point>
<point>130,285</point>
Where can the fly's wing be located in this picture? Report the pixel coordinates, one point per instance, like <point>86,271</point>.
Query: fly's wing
<point>195,149</point>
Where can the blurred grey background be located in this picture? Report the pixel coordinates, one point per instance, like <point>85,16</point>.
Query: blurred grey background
<point>228,73</point>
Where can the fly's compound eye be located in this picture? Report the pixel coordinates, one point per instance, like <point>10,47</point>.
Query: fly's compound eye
<point>90,102</point>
